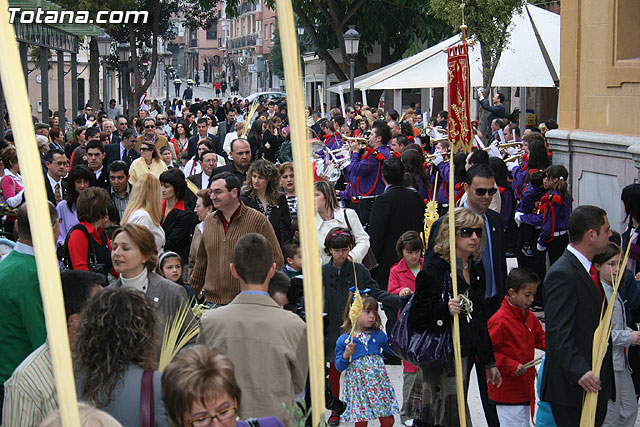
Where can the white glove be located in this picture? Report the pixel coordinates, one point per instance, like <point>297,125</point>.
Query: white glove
<point>512,165</point>
<point>518,218</point>
<point>512,151</point>
<point>540,248</point>
<point>438,159</point>
<point>495,152</point>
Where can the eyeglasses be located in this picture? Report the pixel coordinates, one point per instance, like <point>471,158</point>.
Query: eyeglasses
<point>468,232</point>
<point>123,123</point>
<point>149,127</point>
<point>207,420</point>
<point>482,191</point>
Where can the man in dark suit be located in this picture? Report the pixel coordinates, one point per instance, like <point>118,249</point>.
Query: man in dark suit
<point>192,143</point>
<point>496,111</point>
<point>122,124</point>
<point>574,298</point>
<point>95,161</point>
<point>123,150</point>
<point>394,212</point>
<point>57,168</point>
<point>480,186</point>
<point>208,162</point>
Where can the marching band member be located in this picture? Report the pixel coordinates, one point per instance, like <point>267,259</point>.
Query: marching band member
<point>364,172</point>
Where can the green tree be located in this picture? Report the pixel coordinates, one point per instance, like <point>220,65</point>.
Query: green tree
<point>143,38</point>
<point>397,25</point>
<point>487,21</point>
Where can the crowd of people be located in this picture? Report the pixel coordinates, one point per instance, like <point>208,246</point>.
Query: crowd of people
<point>193,205</point>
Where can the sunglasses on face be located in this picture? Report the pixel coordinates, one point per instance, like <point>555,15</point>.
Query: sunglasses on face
<point>149,127</point>
<point>468,232</point>
<point>482,191</point>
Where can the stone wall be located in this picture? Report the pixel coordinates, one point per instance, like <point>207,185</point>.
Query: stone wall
<point>600,165</point>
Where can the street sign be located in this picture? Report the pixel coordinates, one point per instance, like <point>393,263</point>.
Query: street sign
<point>252,68</point>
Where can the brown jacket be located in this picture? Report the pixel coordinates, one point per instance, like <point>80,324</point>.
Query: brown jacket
<point>215,253</point>
<point>268,347</point>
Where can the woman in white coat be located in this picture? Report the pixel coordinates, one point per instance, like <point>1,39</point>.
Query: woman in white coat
<point>330,214</point>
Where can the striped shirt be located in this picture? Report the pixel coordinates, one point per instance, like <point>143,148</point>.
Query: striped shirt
<point>30,394</point>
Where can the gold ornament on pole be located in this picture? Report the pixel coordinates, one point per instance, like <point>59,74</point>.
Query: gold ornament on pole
<point>306,208</point>
<point>17,100</point>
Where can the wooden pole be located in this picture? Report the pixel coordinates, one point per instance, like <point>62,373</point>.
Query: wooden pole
<point>17,100</point>
<point>306,209</point>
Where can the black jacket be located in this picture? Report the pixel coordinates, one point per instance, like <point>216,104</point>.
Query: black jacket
<point>429,307</point>
<point>274,141</point>
<point>230,167</point>
<point>50,196</point>
<point>178,229</point>
<point>572,310</point>
<point>280,217</point>
<point>394,212</point>
<point>113,153</point>
<point>336,284</point>
<point>497,250</point>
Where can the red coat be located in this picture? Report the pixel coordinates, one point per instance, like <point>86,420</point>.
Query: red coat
<point>401,277</point>
<point>515,334</point>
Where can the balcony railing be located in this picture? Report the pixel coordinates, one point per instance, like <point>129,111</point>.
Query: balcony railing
<point>242,42</point>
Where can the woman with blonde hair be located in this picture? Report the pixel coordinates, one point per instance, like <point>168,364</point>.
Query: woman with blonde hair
<point>433,308</point>
<point>149,162</point>
<point>145,208</point>
<point>261,191</point>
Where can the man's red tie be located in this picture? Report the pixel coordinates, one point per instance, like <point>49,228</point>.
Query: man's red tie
<point>596,280</point>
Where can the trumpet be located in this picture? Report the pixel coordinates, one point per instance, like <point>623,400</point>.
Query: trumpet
<point>429,157</point>
<point>503,146</point>
<point>513,158</point>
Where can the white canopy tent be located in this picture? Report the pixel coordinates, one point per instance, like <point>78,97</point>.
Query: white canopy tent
<point>531,59</point>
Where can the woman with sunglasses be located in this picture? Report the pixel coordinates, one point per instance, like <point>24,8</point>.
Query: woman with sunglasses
<point>434,306</point>
<point>199,387</point>
<point>148,162</point>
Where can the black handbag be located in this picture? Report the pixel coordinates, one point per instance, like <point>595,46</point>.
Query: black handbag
<point>93,263</point>
<point>429,348</point>
<point>369,260</point>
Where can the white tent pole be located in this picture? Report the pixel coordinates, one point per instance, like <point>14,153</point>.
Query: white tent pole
<point>364,97</point>
<point>424,101</point>
<point>397,101</point>
<point>342,102</point>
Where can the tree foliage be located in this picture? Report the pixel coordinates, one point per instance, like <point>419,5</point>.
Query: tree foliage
<point>143,38</point>
<point>487,20</point>
<point>397,25</point>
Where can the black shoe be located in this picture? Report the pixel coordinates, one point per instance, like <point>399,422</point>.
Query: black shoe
<point>392,360</point>
<point>526,250</point>
<point>510,253</point>
<point>334,420</point>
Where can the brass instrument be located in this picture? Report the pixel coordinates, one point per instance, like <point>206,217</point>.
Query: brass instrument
<point>429,157</point>
<point>514,158</point>
<point>501,147</point>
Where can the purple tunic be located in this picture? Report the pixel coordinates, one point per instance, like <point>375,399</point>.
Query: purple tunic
<point>555,217</point>
<point>369,171</point>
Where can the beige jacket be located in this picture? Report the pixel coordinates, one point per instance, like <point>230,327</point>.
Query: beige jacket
<point>268,348</point>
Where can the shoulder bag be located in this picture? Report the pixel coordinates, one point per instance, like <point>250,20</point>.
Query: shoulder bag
<point>369,260</point>
<point>429,348</point>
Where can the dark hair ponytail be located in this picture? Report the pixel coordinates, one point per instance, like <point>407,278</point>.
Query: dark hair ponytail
<point>560,172</point>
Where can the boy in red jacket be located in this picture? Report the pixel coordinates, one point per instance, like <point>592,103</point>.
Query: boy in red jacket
<point>515,333</point>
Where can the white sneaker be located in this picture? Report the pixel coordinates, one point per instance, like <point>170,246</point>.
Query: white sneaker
<point>409,423</point>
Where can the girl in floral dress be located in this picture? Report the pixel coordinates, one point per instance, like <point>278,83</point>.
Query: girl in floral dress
<point>366,391</point>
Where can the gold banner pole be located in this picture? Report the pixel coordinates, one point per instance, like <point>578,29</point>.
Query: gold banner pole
<point>306,208</point>
<point>17,99</point>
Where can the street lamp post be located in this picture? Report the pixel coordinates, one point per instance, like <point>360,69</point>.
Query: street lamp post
<point>351,42</point>
<point>123,56</point>
<point>104,48</point>
<point>166,59</point>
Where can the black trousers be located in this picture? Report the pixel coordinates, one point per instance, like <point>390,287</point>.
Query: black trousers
<point>556,247</point>
<point>490,411</point>
<point>569,416</point>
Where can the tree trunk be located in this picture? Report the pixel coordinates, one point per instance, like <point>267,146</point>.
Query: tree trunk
<point>94,75</point>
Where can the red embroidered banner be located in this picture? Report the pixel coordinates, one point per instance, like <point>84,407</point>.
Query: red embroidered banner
<point>459,126</point>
